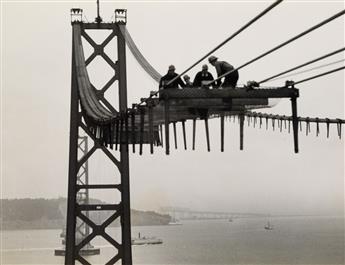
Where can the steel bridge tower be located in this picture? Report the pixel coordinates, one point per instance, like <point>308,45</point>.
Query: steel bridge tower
<point>77,124</point>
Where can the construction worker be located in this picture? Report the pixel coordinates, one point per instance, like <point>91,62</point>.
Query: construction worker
<point>223,67</point>
<point>186,79</point>
<point>169,76</point>
<point>203,75</point>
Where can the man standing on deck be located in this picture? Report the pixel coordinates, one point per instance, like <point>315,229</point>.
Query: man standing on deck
<point>223,67</point>
<point>169,76</point>
<point>203,75</point>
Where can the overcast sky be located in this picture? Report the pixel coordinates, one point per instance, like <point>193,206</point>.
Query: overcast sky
<point>266,177</point>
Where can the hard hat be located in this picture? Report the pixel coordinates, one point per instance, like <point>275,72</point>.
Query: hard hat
<point>212,59</point>
<point>171,67</point>
<point>205,67</point>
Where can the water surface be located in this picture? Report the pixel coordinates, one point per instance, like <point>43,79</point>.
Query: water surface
<point>294,240</point>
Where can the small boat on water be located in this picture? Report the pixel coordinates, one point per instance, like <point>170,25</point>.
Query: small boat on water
<point>146,240</point>
<point>174,222</point>
<point>268,226</point>
<point>63,233</point>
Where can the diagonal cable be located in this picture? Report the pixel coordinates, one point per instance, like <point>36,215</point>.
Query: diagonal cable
<point>221,44</point>
<point>320,75</point>
<point>282,44</point>
<point>229,38</point>
<point>308,70</point>
<point>302,65</point>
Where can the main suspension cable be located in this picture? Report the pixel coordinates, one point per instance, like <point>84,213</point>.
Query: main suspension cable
<point>229,38</point>
<point>282,45</point>
<point>138,55</point>
<point>319,75</point>
<point>302,65</point>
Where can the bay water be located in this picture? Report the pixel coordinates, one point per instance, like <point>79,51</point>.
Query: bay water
<point>294,240</point>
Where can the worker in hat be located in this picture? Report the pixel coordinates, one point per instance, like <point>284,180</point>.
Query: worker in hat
<point>223,67</point>
<point>169,76</point>
<point>202,77</point>
<point>186,79</point>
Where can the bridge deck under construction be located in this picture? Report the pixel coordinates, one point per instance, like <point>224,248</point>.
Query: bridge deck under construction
<point>149,121</point>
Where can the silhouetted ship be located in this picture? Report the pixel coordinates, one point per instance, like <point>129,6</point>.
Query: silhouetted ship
<point>268,226</point>
<point>174,222</point>
<point>146,240</point>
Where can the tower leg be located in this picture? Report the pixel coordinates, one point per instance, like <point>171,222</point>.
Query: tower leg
<point>184,135</point>
<point>194,128</point>
<point>124,157</point>
<point>72,171</point>
<point>175,135</point>
<point>166,127</point>
<point>241,116</point>
<point>294,122</point>
<point>222,133</point>
<point>207,135</point>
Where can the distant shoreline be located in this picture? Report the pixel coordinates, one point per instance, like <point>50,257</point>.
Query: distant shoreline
<point>60,224</point>
<point>34,227</point>
<point>39,214</point>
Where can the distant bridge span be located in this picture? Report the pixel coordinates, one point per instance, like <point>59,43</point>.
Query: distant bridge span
<point>188,214</point>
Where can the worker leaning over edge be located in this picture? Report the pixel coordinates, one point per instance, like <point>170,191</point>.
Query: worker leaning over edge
<point>223,67</point>
<point>169,76</point>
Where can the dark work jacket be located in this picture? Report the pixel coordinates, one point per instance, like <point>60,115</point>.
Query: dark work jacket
<point>165,79</point>
<point>223,67</point>
<point>201,76</point>
<point>189,84</point>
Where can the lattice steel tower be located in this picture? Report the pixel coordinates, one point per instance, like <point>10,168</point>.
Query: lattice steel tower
<point>77,123</point>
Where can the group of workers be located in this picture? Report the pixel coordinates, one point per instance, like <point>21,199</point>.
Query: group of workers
<point>203,77</point>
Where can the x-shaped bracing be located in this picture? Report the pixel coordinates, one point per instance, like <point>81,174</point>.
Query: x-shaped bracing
<point>99,51</point>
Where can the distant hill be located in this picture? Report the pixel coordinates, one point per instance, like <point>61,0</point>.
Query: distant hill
<point>19,214</point>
